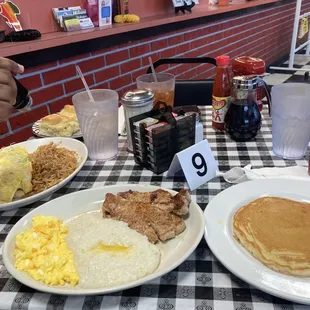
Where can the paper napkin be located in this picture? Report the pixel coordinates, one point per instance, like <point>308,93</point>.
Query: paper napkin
<point>239,175</point>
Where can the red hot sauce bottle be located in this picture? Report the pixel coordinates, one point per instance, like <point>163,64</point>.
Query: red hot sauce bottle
<point>221,93</point>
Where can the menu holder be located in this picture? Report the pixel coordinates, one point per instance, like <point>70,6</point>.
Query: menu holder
<point>154,147</point>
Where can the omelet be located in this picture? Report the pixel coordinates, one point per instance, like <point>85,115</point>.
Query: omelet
<point>42,252</point>
<point>15,173</point>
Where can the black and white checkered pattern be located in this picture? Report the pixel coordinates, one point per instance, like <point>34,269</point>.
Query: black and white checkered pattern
<point>201,282</point>
<point>291,76</point>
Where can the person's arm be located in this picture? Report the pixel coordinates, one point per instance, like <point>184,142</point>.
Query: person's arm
<point>8,89</point>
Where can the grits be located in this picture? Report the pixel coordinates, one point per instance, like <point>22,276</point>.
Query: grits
<point>108,252</point>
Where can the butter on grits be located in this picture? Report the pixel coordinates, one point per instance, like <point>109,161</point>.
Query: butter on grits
<point>42,252</point>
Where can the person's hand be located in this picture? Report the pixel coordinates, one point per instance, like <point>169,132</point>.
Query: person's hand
<point>8,89</point>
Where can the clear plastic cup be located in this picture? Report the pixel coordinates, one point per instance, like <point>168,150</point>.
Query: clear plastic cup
<point>163,89</point>
<point>99,122</point>
<point>290,120</point>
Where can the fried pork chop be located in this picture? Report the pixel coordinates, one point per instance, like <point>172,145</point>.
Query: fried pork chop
<point>153,214</point>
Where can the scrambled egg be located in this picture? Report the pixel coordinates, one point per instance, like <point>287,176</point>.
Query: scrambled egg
<point>42,252</point>
<point>15,173</point>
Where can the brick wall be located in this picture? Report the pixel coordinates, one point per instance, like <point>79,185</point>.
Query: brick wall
<point>264,33</point>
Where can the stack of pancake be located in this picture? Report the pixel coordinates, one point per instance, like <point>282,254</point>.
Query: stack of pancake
<point>276,231</point>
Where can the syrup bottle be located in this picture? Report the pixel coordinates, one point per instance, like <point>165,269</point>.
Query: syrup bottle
<point>221,93</point>
<point>243,119</point>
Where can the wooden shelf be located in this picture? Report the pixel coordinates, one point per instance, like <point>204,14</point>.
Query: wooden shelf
<point>62,38</point>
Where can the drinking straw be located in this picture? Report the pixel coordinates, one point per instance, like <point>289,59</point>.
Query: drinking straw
<point>85,83</point>
<point>153,70</point>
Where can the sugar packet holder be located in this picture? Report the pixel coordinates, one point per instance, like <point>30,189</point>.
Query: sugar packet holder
<point>158,132</point>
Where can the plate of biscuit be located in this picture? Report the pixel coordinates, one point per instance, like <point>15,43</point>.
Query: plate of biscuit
<point>62,124</point>
<point>260,231</point>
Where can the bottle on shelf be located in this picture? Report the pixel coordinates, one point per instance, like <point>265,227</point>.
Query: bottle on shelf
<point>221,93</point>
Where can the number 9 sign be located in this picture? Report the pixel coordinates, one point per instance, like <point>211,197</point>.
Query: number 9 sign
<point>202,165</point>
<point>197,162</point>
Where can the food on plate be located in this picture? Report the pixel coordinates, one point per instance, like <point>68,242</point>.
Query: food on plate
<point>51,164</point>
<point>58,125</point>
<point>87,251</point>
<point>108,252</point>
<point>42,252</point>
<point>62,124</point>
<point>24,174</point>
<point>276,231</point>
<point>15,173</point>
<point>69,111</point>
<point>153,214</point>
<point>161,199</point>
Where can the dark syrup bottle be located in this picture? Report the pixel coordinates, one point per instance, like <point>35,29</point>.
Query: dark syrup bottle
<point>243,118</point>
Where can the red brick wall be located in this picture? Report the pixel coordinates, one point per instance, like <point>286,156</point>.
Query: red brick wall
<point>264,33</point>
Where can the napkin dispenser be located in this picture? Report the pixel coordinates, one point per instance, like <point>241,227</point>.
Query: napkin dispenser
<point>159,134</point>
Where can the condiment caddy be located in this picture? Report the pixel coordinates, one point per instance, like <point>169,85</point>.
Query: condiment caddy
<point>159,134</point>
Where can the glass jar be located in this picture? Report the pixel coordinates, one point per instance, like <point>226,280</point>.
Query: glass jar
<point>246,65</point>
<point>135,102</point>
<point>243,118</point>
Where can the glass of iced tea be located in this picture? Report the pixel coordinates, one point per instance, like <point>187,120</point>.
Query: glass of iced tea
<point>163,89</point>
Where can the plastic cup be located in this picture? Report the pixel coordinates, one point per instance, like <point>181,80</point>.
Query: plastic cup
<point>163,89</point>
<point>99,122</point>
<point>290,120</point>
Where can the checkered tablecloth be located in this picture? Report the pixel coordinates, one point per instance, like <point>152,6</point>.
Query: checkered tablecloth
<point>201,282</point>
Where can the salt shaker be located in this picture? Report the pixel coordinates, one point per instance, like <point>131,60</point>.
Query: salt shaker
<point>199,127</point>
<point>135,102</point>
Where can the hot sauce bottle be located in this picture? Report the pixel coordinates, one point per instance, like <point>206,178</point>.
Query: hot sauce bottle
<point>221,93</point>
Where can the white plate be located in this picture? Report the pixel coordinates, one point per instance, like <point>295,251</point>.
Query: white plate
<point>219,236</point>
<point>36,131</point>
<point>174,251</point>
<point>31,146</point>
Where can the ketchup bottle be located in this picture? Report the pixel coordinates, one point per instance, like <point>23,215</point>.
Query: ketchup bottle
<point>221,93</point>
